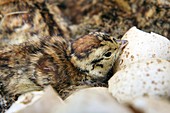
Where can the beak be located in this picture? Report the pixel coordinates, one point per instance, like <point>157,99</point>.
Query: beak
<point>122,43</point>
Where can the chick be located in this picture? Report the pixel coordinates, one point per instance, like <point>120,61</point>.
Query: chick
<point>58,62</point>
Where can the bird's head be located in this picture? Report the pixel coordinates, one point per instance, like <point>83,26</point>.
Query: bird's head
<point>95,53</point>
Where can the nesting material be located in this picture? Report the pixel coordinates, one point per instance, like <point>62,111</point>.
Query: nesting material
<point>149,77</point>
<point>23,20</point>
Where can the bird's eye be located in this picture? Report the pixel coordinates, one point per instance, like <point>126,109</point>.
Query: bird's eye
<point>115,48</point>
<point>108,54</point>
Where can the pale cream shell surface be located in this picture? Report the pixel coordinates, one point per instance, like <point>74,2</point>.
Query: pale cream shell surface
<point>149,77</point>
<point>150,105</point>
<point>46,101</point>
<point>142,45</point>
<point>92,100</point>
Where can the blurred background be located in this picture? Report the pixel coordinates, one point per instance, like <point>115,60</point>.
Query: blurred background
<point>117,16</point>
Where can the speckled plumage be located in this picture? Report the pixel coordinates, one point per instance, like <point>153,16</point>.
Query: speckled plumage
<point>58,62</point>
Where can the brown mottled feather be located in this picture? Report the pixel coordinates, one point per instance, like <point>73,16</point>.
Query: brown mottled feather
<point>39,64</point>
<point>56,61</point>
<point>83,46</point>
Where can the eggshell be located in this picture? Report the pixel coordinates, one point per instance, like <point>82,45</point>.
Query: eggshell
<point>149,77</point>
<point>37,102</point>
<point>142,45</point>
<point>92,100</point>
<point>24,101</point>
<point>150,105</point>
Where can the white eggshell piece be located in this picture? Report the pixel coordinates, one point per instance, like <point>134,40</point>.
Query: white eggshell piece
<point>92,100</point>
<point>142,78</point>
<point>150,105</point>
<point>45,101</point>
<point>25,100</point>
<point>142,45</point>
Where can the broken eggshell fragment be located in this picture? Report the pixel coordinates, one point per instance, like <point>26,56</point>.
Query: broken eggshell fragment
<point>142,45</point>
<point>24,101</point>
<point>92,100</point>
<point>149,105</point>
<point>45,101</point>
<point>149,77</point>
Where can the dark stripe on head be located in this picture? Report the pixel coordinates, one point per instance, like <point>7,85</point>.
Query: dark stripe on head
<point>100,65</point>
<point>96,61</point>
